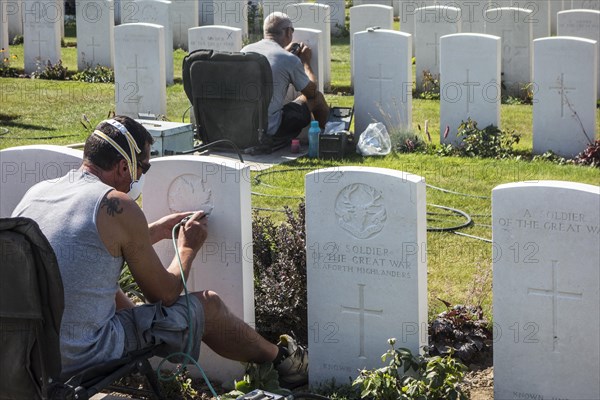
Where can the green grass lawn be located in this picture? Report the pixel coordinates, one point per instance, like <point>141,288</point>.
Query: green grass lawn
<point>459,267</point>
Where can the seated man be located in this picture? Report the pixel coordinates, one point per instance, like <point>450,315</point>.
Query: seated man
<point>290,64</point>
<point>94,225</point>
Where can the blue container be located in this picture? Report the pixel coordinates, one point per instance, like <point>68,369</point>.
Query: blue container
<point>313,139</point>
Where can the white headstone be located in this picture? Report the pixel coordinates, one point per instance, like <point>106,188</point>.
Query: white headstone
<point>224,264</point>
<point>367,271</point>
<point>472,14</point>
<point>383,84</point>
<point>555,7</point>
<point>156,12</point>
<point>581,23</point>
<point>232,13</point>
<point>315,16</point>
<point>546,274</point>
<point>215,37</point>
<point>95,33</point>
<point>564,97</point>
<point>372,2</point>
<point>363,17</point>
<point>184,16</point>
<point>585,4</point>
<point>4,40</point>
<point>140,85</point>
<point>41,33</point>
<point>336,15</point>
<point>469,82</point>
<point>539,18</point>
<point>24,166</point>
<point>513,25</point>
<point>313,39</point>
<point>206,12</point>
<point>431,23</point>
<point>14,13</point>
<point>406,16</point>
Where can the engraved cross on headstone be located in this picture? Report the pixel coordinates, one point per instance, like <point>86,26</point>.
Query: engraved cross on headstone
<point>562,90</point>
<point>470,90</point>
<point>137,68</point>
<point>361,311</point>
<point>93,44</point>
<point>555,295</point>
<point>436,44</point>
<point>380,79</point>
<point>39,41</point>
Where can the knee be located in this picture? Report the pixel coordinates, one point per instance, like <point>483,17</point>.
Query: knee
<point>212,303</point>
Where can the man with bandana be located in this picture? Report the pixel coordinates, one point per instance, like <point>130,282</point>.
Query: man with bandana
<point>94,225</point>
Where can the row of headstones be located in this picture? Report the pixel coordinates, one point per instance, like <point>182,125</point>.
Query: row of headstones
<point>565,74</point>
<point>517,27</point>
<point>367,264</point>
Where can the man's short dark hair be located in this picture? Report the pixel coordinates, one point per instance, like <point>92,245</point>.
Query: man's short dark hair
<point>102,154</point>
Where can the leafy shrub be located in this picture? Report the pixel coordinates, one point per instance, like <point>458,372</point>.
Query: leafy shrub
<point>590,156</point>
<point>97,74</point>
<point>431,86</point>
<point>412,377</point>
<point>6,71</point>
<point>280,275</point>
<point>463,332</point>
<point>489,142</point>
<point>57,72</point>
<point>18,39</point>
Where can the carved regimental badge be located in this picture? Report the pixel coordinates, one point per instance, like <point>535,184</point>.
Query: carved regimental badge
<point>187,193</point>
<point>360,210</point>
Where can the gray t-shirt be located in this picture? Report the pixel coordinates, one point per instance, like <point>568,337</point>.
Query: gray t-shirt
<point>66,210</point>
<point>287,69</point>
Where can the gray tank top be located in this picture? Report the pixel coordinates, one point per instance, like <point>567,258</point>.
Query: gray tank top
<point>66,210</point>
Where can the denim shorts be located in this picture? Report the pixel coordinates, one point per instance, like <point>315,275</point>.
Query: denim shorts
<point>295,116</point>
<point>150,325</point>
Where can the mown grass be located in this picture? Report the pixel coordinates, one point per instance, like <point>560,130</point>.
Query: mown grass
<point>459,267</point>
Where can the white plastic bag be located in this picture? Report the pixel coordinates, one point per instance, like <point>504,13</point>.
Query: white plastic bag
<point>374,141</point>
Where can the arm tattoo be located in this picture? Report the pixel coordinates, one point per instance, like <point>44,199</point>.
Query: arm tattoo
<point>112,206</point>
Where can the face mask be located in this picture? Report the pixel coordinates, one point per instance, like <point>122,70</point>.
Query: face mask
<point>135,189</point>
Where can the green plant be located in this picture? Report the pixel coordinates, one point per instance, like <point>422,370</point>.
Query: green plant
<point>431,86</point>
<point>129,286</point>
<point>490,142</point>
<point>280,275</point>
<point>412,377</point>
<point>551,157</point>
<point>18,39</point>
<point>258,376</point>
<point>6,70</point>
<point>97,74</point>
<point>57,72</point>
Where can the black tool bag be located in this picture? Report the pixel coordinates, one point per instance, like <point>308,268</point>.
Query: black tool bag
<point>230,95</point>
<point>31,307</point>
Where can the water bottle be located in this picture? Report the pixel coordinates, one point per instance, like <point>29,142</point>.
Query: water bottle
<point>313,139</point>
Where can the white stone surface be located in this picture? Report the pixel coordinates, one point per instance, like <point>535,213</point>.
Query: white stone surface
<point>472,13</point>
<point>140,84</point>
<point>155,12</point>
<point>232,13</point>
<point>366,271</point>
<point>372,2</point>
<point>215,37</point>
<point>314,39</point>
<point>184,16</point>
<point>95,33</point>
<point>367,16</point>
<point>4,40</point>
<point>41,27</point>
<point>539,18</point>
<point>581,23</point>
<point>383,84</point>
<point>546,281</point>
<point>431,23</point>
<point>14,13</point>
<point>469,82</point>
<point>564,99</point>
<point>315,16</point>
<point>585,4</point>
<point>24,166</point>
<point>336,15</point>
<point>514,26</point>
<point>555,7</point>
<point>224,264</point>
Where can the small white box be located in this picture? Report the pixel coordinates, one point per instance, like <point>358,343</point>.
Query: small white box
<point>170,138</point>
